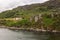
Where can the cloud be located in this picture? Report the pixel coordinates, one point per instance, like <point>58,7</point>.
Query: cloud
<point>9,4</point>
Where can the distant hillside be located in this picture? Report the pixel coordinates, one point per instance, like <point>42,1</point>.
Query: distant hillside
<point>33,9</point>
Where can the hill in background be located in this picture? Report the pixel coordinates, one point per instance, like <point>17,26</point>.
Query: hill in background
<point>45,15</point>
<point>33,9</point>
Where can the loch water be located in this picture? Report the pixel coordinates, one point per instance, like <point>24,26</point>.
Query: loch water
<point>6,34</point>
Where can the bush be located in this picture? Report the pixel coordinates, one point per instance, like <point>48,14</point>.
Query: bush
<point>10,23</point>
<point>24,22</point>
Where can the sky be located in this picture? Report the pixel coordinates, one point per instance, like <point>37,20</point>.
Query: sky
<point>10,4</point>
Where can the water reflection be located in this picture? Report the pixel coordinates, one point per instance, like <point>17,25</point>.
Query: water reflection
<point>54,36</point>
<point>6,34</point>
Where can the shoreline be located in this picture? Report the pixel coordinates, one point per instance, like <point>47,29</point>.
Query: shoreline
<point>32,29</point>
<point>29,29</point>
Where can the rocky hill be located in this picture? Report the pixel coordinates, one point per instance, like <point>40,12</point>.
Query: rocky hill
<point>48,15</point>
<point>47,7</point>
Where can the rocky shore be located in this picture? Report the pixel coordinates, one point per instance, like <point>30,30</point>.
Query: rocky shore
<point>29,29</point>
<point>32,29</point>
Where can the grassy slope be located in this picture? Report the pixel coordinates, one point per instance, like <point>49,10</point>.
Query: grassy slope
<point>27,11</point>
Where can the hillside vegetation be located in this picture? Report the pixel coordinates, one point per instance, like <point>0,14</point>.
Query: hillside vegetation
<point>42,16</point>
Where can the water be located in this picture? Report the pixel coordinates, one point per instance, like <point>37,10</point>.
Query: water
<point>6,34</point>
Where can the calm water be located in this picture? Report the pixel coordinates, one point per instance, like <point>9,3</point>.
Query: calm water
<point>6,34</point>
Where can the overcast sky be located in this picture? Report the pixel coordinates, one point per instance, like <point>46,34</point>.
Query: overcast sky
<point>9,4</point>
